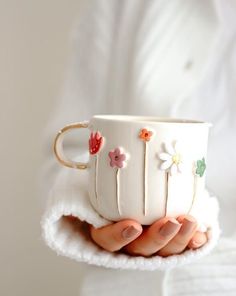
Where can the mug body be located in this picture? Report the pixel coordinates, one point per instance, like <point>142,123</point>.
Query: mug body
<point>145,168</point>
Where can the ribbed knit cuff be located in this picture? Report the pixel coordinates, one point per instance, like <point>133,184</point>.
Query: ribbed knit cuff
<point>69,196</point>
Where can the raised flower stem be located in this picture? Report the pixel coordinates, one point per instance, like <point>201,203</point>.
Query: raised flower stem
<point>199,172</point>
<point>167,191</point>
<point>95,145</point>
<point>117,160</point>
<point>195,179</point>
<point>96,176</point>
<point>118,191</point>
<point>145,178</point>
<point>145,135</point>
<point>172,164</point>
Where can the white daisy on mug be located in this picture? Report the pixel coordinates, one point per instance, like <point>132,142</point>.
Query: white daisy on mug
<point>172,158</point>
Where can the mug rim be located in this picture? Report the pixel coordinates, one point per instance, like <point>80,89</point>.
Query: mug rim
<point>150,119</point>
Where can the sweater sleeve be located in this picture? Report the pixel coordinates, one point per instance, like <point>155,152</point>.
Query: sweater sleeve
<point>70,238</point>
<point>97,83</point>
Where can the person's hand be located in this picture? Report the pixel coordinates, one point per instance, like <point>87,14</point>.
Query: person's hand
<point>165,237</point>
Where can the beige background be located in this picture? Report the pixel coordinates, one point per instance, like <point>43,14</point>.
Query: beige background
<point>33,54</point>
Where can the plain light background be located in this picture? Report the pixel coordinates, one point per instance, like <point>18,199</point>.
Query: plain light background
<point>34,51</point>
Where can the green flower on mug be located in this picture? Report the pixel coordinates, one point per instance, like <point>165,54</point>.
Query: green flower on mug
<point>117,161</point>
<point>201,167</point>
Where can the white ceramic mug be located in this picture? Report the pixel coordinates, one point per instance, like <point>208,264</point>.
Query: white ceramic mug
<point>142,168</point>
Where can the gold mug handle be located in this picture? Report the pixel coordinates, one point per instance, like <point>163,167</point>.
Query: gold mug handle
<point>58,146</point>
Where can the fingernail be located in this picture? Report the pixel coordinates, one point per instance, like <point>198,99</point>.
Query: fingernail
<point>196,244</point>
<point>188,226</point>
<point>169,227</point>
<point>130,232</point>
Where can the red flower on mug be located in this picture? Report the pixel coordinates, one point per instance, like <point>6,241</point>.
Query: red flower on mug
<point>145,135</point>
<point>95,143</point>
<point>117,158</point>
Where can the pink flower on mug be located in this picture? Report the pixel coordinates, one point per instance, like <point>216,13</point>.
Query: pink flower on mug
<point>95,143</point>
<point>117,159</point>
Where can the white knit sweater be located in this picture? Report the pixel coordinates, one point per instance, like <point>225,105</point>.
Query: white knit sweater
<point>69,196</point>
<point>174,58</point>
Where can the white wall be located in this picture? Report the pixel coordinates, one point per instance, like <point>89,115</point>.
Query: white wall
<point>33,53</point>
